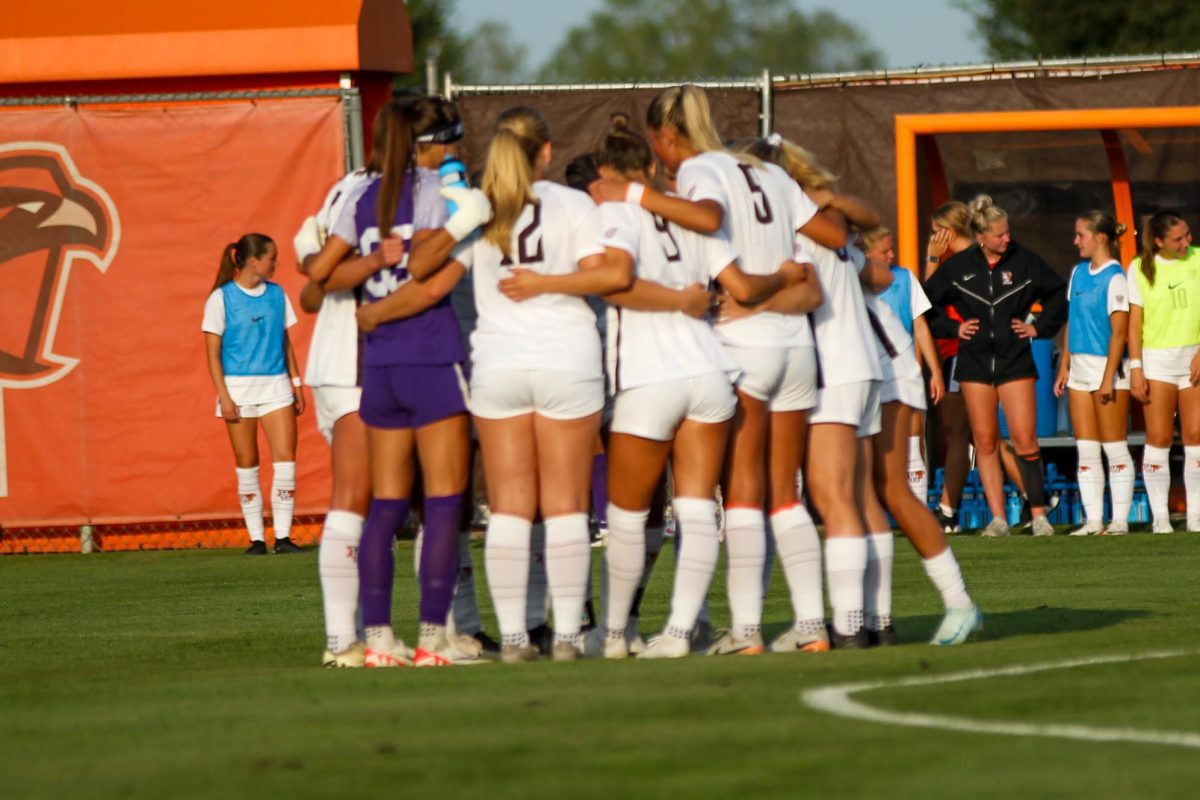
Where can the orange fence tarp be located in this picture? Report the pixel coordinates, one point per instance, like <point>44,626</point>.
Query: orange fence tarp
<point>112,223</point>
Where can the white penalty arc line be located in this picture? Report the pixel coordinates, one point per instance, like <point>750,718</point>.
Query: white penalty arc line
<point>837,700</point>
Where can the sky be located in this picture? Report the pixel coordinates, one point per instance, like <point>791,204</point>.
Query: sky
<point>907,32</point>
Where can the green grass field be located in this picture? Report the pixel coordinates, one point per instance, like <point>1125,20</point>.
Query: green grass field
<point>195,674</point>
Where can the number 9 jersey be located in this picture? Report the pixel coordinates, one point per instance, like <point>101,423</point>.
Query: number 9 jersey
<point>763,208</point>
<point>549,331</point>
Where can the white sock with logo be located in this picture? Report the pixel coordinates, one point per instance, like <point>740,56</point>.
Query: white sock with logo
<point>1156,472</point>
<point>1121,472</point>
<point>337,564</point>
<point>1091,480</point>
<point>283,498</point>
<point>918,475</point>
<point>250,495</point>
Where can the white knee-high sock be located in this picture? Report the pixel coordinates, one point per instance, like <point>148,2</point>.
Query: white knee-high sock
<point>1120,478</point>
<point>1091,479</point>
<point>250,495</point>
<point>947,578</point>
<point>918,475</point>
<point>745,545</point>
<point>625,561</point>
<point>465,611</point>
<point>800,554</point>
<point>1191,483</point>
<point>1156,472</point>
<point>538,605</point>
<point>337,565</point>
<point>506,553</point>
<point>696,561</point>
<point>568,569</point>
<point>845,563</point>
<point>283,498</point>
<point>877,580</point>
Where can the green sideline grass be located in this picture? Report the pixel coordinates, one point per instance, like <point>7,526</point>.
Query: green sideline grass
<point>194,674</point>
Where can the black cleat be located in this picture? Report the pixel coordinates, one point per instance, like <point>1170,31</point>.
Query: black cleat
<point>853,641</point>
<point>490,646</point>
<point>256,549</point>
<point>883,638</point>
<point>948,522</point>
<point>542,637</point>
<point>286,545</point>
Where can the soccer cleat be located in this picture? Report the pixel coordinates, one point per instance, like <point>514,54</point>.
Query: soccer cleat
<point>1089,529</point>
<point>848,641</point>
<point>1042,527</point>
<point>564,650</point>
<point>600,538</point>
<point>1162,526</point>
<point>1116,529</point>
<point>996,528</point>
<point>948,522</point>
<point>726,645</point>
<point>1026,518</point>
<point>702,636</point>
<point>885,637</point>
<point>256,549</point>
<point>352,656</point>
<point>637,645</point>
<point>449,652</point>
<point>663,646</point>
<point>489,646</point>
<point>542,637</point>
<point>957,626</point>
<point>286,545</point>
<point>518,653</point>
<point>398,656</point>
<point>794,640</point>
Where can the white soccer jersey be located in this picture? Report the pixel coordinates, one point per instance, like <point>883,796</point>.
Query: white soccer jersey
<point>550,331</point>
<point>903,364</point>
<point>846,344</point>
<point>647,347</point>
<point>764,208</point>
<point>333,352</point>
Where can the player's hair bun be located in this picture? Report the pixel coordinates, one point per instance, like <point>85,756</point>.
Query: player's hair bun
<point>1120,229</point>
<point>980,204</point>
<point>619,122</point>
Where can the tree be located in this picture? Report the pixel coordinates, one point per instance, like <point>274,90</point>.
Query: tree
<point>1024,29</point>
<point>432,37</point>
<point>492,57</point>
<point>681,39</point>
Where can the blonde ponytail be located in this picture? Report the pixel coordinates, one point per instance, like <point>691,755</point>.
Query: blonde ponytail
<point>792,158</point>
<point>508,175</point>
<point>685,110</point>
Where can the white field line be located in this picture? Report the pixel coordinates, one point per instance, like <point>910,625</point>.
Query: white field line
<point>837,700</point>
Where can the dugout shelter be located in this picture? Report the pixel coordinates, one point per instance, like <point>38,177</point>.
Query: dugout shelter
<point>137,139</point>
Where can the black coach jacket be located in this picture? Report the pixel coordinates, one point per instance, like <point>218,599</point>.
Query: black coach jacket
<point>996,296</point>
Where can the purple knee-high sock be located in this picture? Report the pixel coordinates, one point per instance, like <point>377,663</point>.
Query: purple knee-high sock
<point>439,557</point>
<point>376,562</point>
<point>600,488</point>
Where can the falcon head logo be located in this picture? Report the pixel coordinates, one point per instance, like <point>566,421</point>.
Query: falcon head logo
<point>50,217</point>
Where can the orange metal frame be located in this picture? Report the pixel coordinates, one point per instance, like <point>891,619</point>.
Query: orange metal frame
<point>911,126</point>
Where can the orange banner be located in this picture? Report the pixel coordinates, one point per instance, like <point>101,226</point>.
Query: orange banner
<point>112,222</point>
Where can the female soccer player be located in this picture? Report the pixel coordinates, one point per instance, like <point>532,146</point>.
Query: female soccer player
<point>847,411</point>
<point>537,389</point>
<point>992,285</point>
<point>1164,358</point>
<point>250,358</point>
<point>1094,370</point>
<point>902,397</point>
<point>412,399</point>
<point>759,209</point>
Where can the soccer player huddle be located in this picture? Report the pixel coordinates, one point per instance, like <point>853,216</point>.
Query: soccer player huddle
<point>758,344</point>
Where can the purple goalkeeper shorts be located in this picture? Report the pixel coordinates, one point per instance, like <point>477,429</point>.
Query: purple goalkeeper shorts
<point>411,396</point>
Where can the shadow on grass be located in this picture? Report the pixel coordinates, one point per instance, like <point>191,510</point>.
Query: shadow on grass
<point>1002,624</point>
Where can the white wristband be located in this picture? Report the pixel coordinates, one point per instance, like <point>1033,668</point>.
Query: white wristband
<point>296,381</point>
<point>1135,363</point>
<point>634,193</point>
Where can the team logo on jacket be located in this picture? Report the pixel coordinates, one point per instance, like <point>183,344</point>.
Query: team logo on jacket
<point>1006,278</point>
<point>50,217</point>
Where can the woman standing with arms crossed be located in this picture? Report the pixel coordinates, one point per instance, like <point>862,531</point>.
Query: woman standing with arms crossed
<point>759,209</point>
<point>1094,371</point>
<point>250,358</point>
<point>1164,358</point>
<point>991,286</point>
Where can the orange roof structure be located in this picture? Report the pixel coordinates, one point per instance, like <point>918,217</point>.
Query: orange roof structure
<point>86,40</point>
